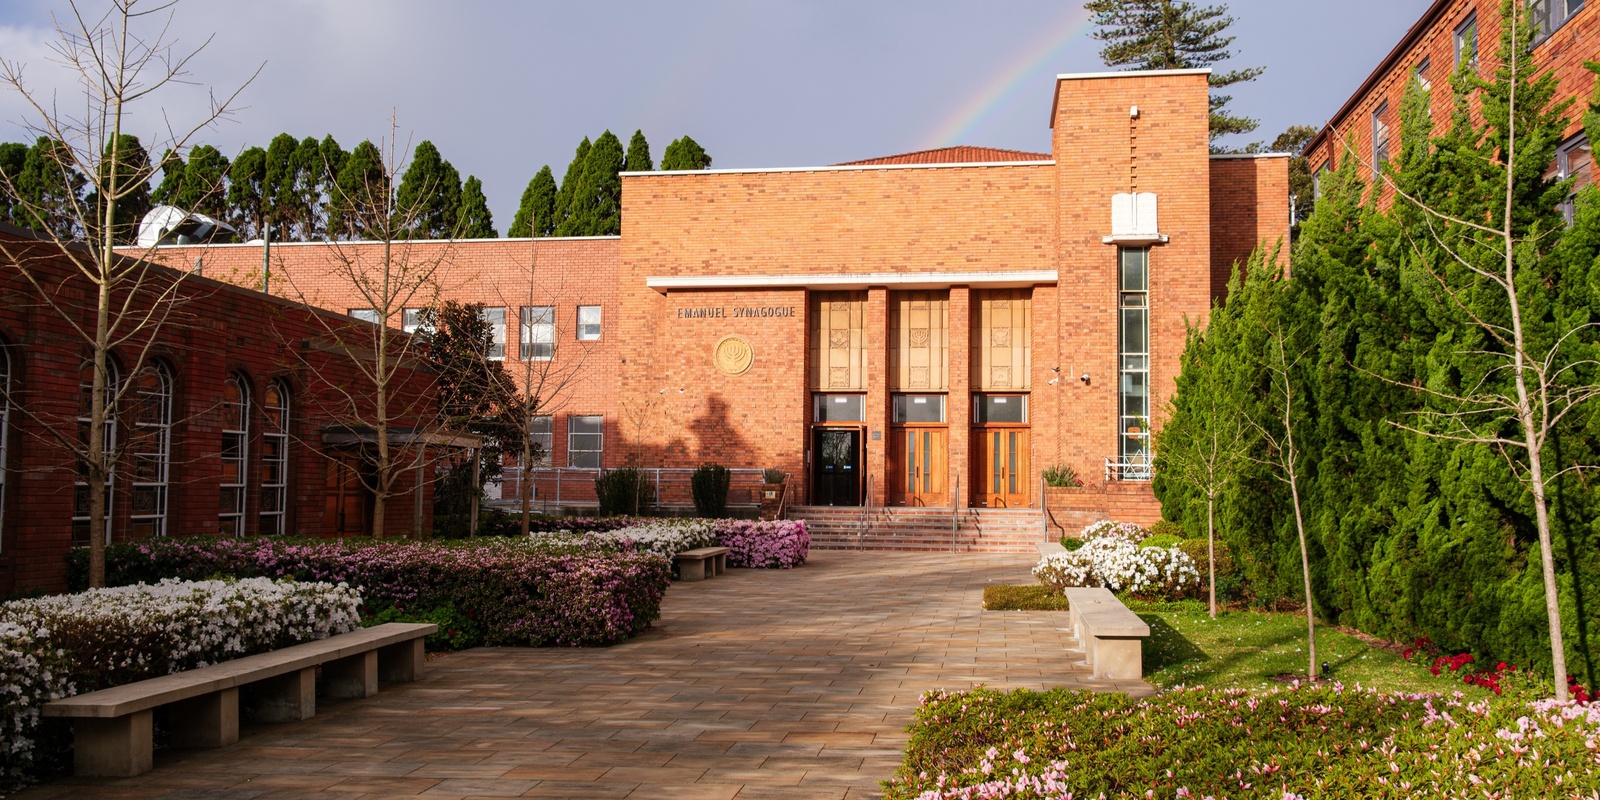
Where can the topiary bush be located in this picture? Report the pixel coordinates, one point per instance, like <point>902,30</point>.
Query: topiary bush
<point>625,490</point>
<point>710,486</point>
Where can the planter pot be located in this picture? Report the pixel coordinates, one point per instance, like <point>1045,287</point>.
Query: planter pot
<point>771,497</point>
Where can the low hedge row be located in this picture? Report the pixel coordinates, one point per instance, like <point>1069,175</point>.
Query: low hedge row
<point>780,544</point>
<point>64,645</point>
<point>1296,742</point>
<point>564,591</point>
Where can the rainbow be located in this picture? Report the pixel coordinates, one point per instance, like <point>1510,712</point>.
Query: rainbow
<point>1003,87</point>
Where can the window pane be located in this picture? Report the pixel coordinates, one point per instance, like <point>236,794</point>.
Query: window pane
<point>585,441</point>
<point>1000,408</point>
<point>839,408</point>
<point>365,315</point>
<point>1135,269</point>
<point>919,408</point>
<point>496,320</point>
<point>588,323</point>
<point>538,332</point>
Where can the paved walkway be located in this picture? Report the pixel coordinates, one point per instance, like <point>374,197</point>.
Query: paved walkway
<point>757,684</point>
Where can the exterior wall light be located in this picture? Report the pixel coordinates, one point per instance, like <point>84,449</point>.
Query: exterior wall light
<point>1085,378</point>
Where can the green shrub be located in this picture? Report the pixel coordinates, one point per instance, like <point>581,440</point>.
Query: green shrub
<point>1162,540</point>
<point>1031,597</point>
<point>622,491</point>
<point>710,486</point>
<point>1168,528</point>
<point>1072,542</point>
<point>1061,475</point>
<point>1230,579</point>
<point>773,475</point>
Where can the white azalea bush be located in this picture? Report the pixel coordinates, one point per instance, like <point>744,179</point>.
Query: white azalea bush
<point>1111,561</point>
<point>53,647</point>
<point>1106,529</point>
<point>668,537</point>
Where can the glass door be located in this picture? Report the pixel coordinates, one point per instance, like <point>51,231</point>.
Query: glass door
<point>836,466</point>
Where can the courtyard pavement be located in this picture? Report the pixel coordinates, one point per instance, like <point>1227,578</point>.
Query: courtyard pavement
<point>757,684</point>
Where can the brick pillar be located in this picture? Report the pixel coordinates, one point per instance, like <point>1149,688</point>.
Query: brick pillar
<point>958,407</point>
<point>877,411</point>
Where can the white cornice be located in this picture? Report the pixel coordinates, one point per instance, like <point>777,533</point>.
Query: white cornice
<point>853,280</point>
<point>1147,73</point>
<point>844,168</point>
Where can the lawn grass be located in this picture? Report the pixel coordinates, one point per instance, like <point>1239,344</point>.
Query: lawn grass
<point>1033,597</point>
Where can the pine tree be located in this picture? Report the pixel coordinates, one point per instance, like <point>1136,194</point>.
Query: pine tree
<point>49,189</point>
<point>569,184</point>
<point>280,197</point>
<point>596,205</point>
<point>430,191</point>
<point>684,154</point>
<point>361,186</point>
<point>247,203</point>
<point>12,157</point>
<point>475,220</point>
<point>172,169</point>
<point>638,159</point>
<point>536,213</point>
<point>126,161</point>
<point>1172,34</point>
<point>204,187</point>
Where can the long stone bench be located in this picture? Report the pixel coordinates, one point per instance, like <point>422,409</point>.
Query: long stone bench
<point>112,730</point>
<point>1111,635</point>
<point>692,563</point>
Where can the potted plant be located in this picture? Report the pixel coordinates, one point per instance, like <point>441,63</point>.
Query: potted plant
<point>772,493</point>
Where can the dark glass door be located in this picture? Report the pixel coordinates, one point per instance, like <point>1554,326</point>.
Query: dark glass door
<point>836,467</point>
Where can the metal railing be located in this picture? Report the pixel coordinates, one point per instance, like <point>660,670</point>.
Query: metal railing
<point>866,516</point>
<point>670,487</point>
<point>1138,468</point>
<point>955,506</point>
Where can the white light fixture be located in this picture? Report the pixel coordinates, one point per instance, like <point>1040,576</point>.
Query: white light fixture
<point>1085,378</point>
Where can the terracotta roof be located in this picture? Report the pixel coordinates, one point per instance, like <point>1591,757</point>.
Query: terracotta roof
<point>963,154</point>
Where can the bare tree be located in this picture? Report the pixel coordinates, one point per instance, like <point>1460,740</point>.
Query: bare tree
<point>119,58</point>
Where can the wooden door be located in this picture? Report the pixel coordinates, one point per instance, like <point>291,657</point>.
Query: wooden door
<point>347,511</point>
<point>918,468</point>
<point>1000,467</point>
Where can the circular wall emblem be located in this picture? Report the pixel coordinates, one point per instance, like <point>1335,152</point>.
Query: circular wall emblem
<point>733,355</point>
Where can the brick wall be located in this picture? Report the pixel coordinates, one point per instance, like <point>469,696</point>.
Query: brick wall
<point>1249,209</point>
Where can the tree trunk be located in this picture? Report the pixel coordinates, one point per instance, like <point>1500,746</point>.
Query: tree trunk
<point>1211,550</point>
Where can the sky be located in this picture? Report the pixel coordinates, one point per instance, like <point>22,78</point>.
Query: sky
<point>502,87</point>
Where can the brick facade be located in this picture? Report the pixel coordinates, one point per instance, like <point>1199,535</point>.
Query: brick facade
<point>214,330</point>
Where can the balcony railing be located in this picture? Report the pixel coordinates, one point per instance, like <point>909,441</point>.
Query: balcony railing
<point>560,487</point>
<point>1137,468</point>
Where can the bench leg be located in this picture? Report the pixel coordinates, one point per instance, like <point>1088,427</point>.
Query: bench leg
<point>287,698</point>
<point>401,662</point>
<point>119,747</point>
<point>1118,659</point>
<point>210,720</point>
<point>722,563</point>
<point>355,676</point>
<point>690,570</point>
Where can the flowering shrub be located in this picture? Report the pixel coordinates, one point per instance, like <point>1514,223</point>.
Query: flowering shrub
<point>780,543</point>
<point>1499,680</point>
<point>666,537</point>
<point>1298,741</point>
<point>578,590</point>
<point>59,646</point>
<point>1156,573</point>
<point>1106,529</point>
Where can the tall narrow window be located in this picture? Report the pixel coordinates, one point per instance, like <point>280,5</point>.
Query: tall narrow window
<point>588,323</point>
<point>235,447</point>
<point>1548,15</point>
<point>495,318</point>
<point>1466,40</point>
<point>538,333</point>
<point>542,432</point>
<point>5,429</point>
<point>1380,138</point>
<point>1574,159</point>
<point>585,441</point>
<point>1134,350</point>
<point>151,451</point>
<point>80,498</point>
<point>274,459</point>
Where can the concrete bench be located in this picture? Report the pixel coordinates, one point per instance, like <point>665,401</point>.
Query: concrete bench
<point>692,563</point>
<point>112,731</point>
<point>1112,636</point>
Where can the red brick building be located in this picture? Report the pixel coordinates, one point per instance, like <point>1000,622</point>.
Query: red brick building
<point>941,325</point>
<point>231,419</point>
<point>1451,33</point>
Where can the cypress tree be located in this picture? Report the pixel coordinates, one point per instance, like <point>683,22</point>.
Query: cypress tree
<point>596,205</point>
<point>475,220</point>
<point>360,191</point>
<point>684,154</point>
<point>126,160</point>
<point>279,188</point>
<point>536,213</point>
<point>428,200</point>
<point>12,157</point>
<point>638,159</point>
<point>569,184</point>
<point>247,203</point>
<point>48,189</point>
<point>204,188</point>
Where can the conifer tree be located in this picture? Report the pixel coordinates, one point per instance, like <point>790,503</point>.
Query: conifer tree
<point>171,185</point>
<point>50,191</point>
<point>12,156</point>
<point>569,184</point>
<point>475,220</point>
<point>247,201</point>
<point>1173,34</point>
<point>204,188</point>
<point>596,205</point>
<point>536,213</point>
<point>127,158</point>
<point>684,154</point>
<point>431,188</point>
<point>638,159</point>
<point>361,183</point>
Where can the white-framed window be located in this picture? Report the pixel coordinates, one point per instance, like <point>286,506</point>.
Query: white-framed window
<point>543,434</point>
<point>1466,43</point>
<point>235,452</point>
<point>5,430</point>
<point>1380,138</point>
<point>918,408</point>
<point>1575,160</point>
<point>585,441</point>
<point>1548,15</point>
<point>150,447</point>
<point>1133,385</point>
<point>366,315</point>
<point>416,320</point>
<point>1420,73</point>
<point>538,333</point>
<point>1316,181</point>
<point>588,323</point>
<point>80,493</point>
<point>275,459</point>
<point>495,318</point>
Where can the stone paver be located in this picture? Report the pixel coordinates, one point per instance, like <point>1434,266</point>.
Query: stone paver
<point>757,684</point>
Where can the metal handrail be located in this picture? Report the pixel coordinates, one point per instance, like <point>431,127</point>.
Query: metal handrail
<point>1129,469</point>
<point>1044,510</point>
<point>741,479</point>
<point>866,516</point>
<point>955,505</point>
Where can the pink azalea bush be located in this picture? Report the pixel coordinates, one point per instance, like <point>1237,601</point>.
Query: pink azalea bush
<point>781,544</point>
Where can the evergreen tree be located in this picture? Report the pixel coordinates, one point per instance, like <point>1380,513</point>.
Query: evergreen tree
<point>569,184</point>
<point>428,200</point>
<point>125,162</point>
<point>684,154</point>
<point>476,395</point>
<point>12,157</point>
<point>247,202</point>
<point>280,197</point>
<point>204,188</point>
<point>638,159</point>
<point>49,190</point>
<point>475,219</point>
<point>536,213</point>
<point>596,205</point>
<point>172,169</point>
<point>361,188</point>
<point>1172,34</point>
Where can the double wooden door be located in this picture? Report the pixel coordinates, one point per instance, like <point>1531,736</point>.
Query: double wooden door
<point>919,466</point>
<point>1000,467</point>
<point>348,504</point>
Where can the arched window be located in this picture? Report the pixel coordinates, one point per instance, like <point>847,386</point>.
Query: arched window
<point>80,494</point>
<point>235,449</point>
<point>151,450</point>
<point>5,427</point>
<point>275,459</point>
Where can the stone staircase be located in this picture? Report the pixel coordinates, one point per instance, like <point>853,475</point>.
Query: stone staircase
<point>978,530</point>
